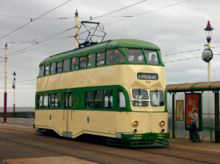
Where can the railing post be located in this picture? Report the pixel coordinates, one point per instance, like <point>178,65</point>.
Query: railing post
<point>217,132</point>
<point>173,116</point>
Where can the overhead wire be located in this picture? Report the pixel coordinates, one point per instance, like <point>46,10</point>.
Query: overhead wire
<point>33,20</point>
<point>120,9</point>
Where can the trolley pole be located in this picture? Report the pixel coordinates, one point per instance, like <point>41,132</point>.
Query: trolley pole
<point>5,83</point>
<point>13,87</point>
<point>76,30</point>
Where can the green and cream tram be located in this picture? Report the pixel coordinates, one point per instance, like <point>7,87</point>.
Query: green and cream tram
<point>114,89</point>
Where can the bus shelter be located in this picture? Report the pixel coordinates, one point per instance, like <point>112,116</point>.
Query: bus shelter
<point>194,97</point>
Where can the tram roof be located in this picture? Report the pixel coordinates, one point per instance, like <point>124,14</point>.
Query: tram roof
<point>198,86</point>
<point>119,43</point>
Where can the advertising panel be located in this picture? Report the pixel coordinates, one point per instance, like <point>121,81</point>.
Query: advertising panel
<point>192,103</point>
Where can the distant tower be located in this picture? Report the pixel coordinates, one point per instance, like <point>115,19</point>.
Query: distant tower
<point>76,30</point>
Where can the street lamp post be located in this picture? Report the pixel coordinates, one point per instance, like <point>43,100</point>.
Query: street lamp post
<point>207,53</point>
<point>13,87</point>
<point>5,82</point>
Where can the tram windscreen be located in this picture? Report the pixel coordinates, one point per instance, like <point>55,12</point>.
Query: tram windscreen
<point>135,56</point>
<point>141,97</point>
<point>157,98</point>
<point>140,94</point>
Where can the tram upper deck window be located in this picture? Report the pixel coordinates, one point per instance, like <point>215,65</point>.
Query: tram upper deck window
<point>114,57</point>
<point>47,70</point>
<point>157,98</point>
<point>100,59</point>
<point>53,68</point>
<point>41,72</point>
<point>75,63</point>
<point>83,62</point>
<point>135,56</point>
<point>60,67</point>
<point>66,65</point>
<point>91,60</point>
<point>152,57</point>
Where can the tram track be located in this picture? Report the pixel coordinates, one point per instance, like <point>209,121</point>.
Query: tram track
<point>100,153</point>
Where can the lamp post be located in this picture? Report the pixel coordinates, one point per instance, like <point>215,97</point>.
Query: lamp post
<point>5,82</point>
<point>207,53</point>
<point>13,87</point>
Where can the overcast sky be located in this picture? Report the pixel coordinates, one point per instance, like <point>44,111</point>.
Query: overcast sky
<point>174,25</point>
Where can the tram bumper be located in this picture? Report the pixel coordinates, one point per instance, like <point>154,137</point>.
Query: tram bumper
<point>146,140</point>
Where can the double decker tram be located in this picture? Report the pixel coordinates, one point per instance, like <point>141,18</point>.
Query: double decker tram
<point>114,89</point>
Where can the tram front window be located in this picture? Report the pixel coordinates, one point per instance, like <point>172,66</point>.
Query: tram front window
<point>157,98</point>
<point>140,96</point>
<point>135,56</point>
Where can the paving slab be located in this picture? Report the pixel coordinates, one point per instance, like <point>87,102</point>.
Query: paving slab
<point>48,160</point>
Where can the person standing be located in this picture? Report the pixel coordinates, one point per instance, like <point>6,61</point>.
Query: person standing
<point>194,136</point>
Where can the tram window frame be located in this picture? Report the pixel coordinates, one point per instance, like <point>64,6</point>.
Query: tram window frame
<point>41,101</point>
<point>53,68</point>
<point>135,60</point>
<point>102,61</point>
<point>66,65</point>
<point>60,66</point>
<point>75,63</point>
<point>108,98</point>
<point>41,71</point>
<point>90,99</point>
<point>146,54</point>
<point>93,60</point>
<point>110,57</point>
<point>68,100</point>
<point>81,64</point>
<point>47,70</point>
<point>120,56</point>
<point>120,105</point>
<point>46,102</point>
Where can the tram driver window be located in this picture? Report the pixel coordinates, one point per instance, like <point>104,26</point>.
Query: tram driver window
<point>152,57</point>
<point>122,103</point>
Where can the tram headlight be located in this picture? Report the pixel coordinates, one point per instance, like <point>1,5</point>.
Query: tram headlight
<point>162,124</point>
<point>135,124</point>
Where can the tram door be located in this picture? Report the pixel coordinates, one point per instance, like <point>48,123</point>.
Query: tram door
<point>193,103</point>
<point>66,114</point>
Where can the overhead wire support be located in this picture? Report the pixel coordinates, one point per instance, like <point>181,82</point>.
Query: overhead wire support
<point>33,20</point>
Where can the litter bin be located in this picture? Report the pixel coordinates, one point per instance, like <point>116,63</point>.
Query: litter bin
<point>217,135</point>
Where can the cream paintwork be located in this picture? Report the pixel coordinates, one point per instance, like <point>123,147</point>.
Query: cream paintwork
<point>102,122</point>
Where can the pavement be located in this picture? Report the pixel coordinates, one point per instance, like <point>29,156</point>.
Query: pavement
<point>204,146</point>
<point>48,160</point>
